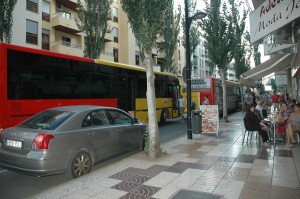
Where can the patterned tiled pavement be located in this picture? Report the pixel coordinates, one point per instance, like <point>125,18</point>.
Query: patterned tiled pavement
<point>219,166</point>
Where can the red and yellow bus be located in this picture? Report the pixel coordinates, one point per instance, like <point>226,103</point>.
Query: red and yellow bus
<point>212,87</point>
<point>32,80</point>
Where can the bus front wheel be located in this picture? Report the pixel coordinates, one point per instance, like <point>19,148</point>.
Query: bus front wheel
<point>163,117</point>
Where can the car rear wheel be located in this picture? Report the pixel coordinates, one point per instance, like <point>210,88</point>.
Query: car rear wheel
<point>80,165</point>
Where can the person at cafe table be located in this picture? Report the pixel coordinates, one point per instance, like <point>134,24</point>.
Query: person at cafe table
<point>284,112</point>
<point>293,125</point>
<point>253,123</point>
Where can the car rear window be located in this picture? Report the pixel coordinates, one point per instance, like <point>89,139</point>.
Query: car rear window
<point>48,120</point>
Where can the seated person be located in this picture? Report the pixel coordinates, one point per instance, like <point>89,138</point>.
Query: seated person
<point>284,113</point>
<point>293,125</point>
<point>253,123</point>
<point>265,108</point>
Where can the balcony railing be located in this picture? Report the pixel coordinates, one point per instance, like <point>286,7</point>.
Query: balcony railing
<point>65,43</point>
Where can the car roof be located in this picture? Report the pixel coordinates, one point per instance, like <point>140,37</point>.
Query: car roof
<point>78,108</point>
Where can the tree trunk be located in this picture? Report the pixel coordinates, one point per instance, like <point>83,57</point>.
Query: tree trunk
<point>154,146</point>
<point>225,115</point>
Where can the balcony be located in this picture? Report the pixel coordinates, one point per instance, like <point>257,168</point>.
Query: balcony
<point>108,37</point>
<point>67,48</point>
<point>71,4</point>
<point>108,56</point>
<point>161,54</point>
<point>64,23</point>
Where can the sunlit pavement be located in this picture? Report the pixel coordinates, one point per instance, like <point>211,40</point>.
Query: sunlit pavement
<point>205,166</point>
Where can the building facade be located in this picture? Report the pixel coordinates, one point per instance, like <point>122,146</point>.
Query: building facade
<point>50,25</point>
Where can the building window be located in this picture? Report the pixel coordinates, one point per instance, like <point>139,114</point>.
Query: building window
<point>116,55</point>
<point>115,15</point>
<point>32,5</point>
<point>66,41</point>
<point>46,11</point>
<point>115,33</point>
<point>45,39</point>
<point>31,32</point>
<point>66,15</point>
<point>137,58</point>
<point>179,55</point>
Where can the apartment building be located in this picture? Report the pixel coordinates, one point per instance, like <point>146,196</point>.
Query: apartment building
<point>50,25</point>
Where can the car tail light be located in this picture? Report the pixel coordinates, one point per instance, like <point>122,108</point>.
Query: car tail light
<point>41,141</point>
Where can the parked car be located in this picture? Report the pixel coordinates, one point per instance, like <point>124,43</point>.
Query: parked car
<point>69,139</point>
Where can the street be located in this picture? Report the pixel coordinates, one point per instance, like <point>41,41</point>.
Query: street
<point>15,186</point>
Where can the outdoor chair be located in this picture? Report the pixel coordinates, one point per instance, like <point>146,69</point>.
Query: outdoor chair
<point>251,132</point>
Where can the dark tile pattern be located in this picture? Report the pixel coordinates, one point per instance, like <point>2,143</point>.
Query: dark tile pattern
<point>264,154</point>
<point>245,158</point>
<point>125,186</point>
<point>188,194</point>
<point>135,196</point>
<point>226,159</point>
<point>200,166</point>
<point>145,190</point>
<point>283,153</point>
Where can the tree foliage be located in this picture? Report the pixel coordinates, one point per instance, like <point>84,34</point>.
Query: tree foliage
<point>146,19</point>
<point>93,16</point>
<point>170,32</point>
<point>240,39</point>
<point>194,32</point>
<point>219,39</point>
<point>6,22</point>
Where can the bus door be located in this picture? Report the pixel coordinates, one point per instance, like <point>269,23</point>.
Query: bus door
<point>126,92</point>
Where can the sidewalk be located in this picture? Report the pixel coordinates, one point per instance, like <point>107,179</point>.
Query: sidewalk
<point>204,167</point>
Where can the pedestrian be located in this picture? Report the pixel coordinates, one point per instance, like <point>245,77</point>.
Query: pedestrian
<point>248,100</point>
<point>181,107</point>
<point>275,100</point>
<point>206,100</point>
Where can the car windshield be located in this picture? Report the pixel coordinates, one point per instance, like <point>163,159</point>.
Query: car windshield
<point>48,120</point>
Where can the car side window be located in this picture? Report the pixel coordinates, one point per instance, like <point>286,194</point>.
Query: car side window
<point>95,118</point>
<point>119,118</point>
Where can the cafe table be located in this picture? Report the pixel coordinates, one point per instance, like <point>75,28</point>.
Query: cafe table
<point>273,120</point>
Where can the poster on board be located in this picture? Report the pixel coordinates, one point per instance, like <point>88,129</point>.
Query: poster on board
<point>210,118</point>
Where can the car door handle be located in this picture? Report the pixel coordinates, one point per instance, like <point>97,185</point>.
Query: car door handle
<point>91,133</point>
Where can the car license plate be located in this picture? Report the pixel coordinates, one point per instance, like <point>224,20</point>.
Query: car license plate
<point>13,143</point>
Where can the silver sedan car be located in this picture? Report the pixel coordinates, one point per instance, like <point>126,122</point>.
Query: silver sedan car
<point>69,139</point>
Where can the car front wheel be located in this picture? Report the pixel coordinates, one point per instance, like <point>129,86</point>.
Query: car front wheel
<point>80,165</point>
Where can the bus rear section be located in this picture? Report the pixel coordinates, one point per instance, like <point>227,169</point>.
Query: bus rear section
<point>212,88</point>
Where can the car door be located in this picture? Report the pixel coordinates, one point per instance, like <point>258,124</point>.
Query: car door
<point>100,135</point>
<point>129,135</point>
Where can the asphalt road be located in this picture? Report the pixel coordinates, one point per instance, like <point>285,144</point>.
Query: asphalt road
<point>16,186</point>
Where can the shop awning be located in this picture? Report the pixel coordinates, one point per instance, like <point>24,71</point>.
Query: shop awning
<point>274,64</point>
